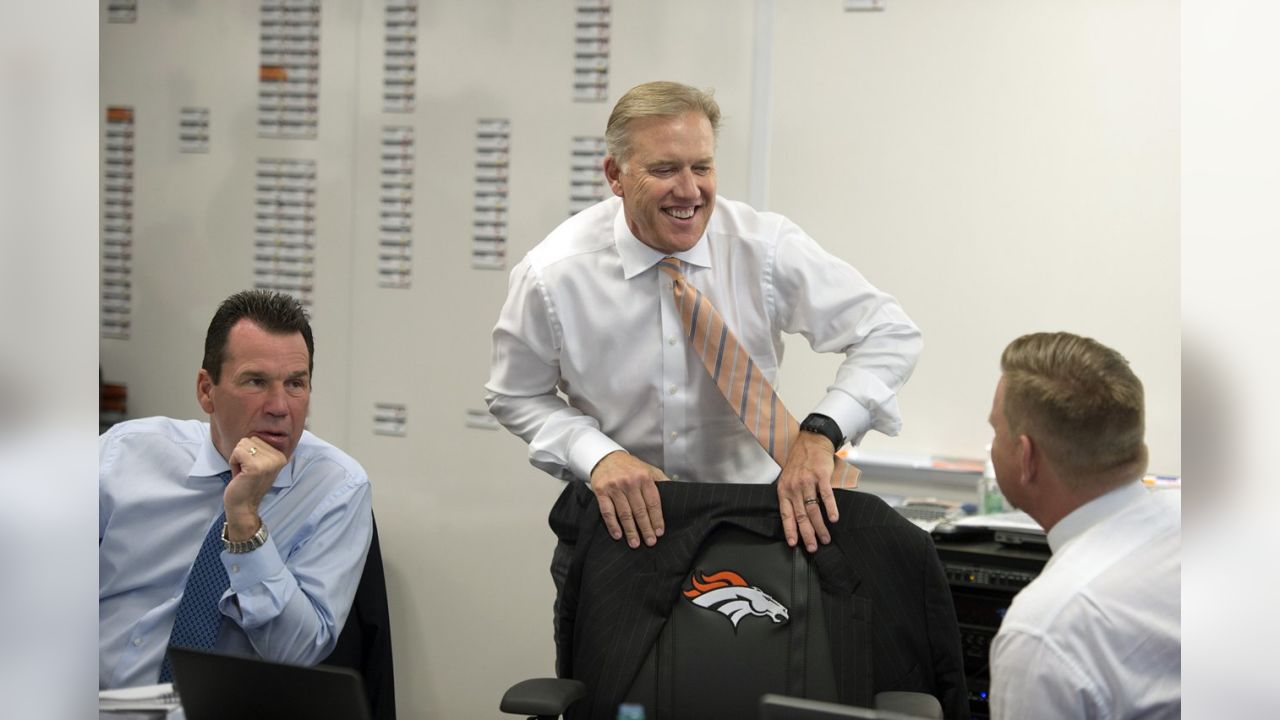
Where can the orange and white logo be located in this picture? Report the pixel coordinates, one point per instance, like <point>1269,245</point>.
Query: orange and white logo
<point>727,593</point>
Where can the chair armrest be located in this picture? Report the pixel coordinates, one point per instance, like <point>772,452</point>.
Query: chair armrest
<point>542,696</point>
<point>915,704</point>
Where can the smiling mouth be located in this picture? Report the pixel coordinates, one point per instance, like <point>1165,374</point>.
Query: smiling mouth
<point>681,213</point>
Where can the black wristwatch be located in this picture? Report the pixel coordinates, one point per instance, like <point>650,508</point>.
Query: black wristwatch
<point>823,425</point>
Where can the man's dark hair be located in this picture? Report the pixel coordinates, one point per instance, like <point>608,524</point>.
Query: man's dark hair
<point>272,311</point>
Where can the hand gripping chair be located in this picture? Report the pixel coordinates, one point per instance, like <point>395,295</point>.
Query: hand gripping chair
<point>721,612</point>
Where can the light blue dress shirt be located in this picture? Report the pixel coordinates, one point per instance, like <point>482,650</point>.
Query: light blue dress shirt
<point>158,492</point>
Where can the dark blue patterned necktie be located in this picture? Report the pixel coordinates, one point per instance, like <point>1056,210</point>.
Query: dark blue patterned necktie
<point>198,618</point>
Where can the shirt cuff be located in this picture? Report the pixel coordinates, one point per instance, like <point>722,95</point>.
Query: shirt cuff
<point>589,450</point>
<point>853,419</point>
<point>245,570</point>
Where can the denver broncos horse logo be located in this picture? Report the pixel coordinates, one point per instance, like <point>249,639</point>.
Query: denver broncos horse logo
<point>728,594</point>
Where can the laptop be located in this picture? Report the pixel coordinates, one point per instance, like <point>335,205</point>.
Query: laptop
<point>216,687</point>
<point>781,707</point>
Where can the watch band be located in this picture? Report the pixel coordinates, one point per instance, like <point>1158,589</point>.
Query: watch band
<point>244,546</point>
<point>823,425</point>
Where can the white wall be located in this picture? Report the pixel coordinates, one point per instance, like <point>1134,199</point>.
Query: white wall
<point>1000,166</point>
<point>193,213</point>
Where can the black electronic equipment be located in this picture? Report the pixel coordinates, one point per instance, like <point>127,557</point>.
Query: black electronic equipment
<point>985,575</point>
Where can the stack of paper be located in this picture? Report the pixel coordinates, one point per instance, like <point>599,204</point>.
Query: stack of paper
<point>1015,520</point>
<point>147,702</point>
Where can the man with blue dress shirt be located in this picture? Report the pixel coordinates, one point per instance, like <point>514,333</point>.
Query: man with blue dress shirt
<point>285,516</point>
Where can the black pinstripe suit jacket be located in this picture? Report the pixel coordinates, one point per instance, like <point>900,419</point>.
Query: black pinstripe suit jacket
<point>890,618</point>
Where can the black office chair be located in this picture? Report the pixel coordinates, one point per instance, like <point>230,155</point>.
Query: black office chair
<point>752,616</point>
<point>364,645</point>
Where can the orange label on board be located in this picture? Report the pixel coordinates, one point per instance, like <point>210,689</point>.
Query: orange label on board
<point>272,73</point>
<point>119,114</point>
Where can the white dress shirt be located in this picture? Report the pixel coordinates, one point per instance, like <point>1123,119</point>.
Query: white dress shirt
<point>159,490</point>
<point>1098,633</point>
<point>589,355</point>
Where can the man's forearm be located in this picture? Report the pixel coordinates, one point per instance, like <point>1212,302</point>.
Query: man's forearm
<point>294,612</point>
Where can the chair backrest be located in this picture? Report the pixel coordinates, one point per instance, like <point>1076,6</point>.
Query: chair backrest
<point>656,625</point>
<point>749,621</point>
<point>364,645</point>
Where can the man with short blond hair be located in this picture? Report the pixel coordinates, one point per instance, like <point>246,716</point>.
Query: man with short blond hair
<point>589,366</point>
<point>593,368</point>
<point>1098,633</point>
<point>656,100</point>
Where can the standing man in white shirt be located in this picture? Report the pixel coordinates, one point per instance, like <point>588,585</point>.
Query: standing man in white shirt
<point>592,368</point>
<point>1098,633</point>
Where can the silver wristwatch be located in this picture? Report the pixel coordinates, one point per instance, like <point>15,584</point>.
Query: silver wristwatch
<point>244,546</point>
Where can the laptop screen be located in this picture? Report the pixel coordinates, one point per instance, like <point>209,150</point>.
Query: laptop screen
<point>781,707</point>
<point>216,687</point>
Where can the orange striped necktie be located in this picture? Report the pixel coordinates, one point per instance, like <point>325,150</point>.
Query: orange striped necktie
<point>739,379</point>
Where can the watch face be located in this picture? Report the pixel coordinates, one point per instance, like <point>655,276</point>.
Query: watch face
<point>243,546</point>
<point>824,426</point>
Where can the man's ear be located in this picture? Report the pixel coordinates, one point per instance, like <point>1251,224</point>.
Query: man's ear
<point>613,172</point>
<point>1028,460</point>
<point>204,390</point>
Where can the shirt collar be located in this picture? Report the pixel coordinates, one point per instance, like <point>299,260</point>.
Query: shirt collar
<point>1093,512</point>
<point>638,257</point>
<point>210,463</point>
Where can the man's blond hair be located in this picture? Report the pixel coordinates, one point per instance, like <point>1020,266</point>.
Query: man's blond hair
<point>1080,402</point>
<point>656,99</point>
